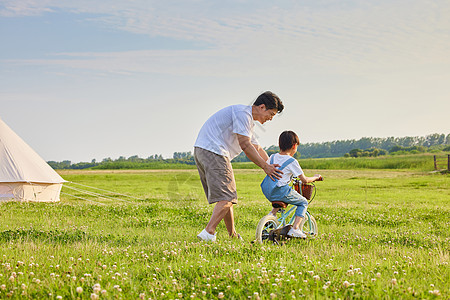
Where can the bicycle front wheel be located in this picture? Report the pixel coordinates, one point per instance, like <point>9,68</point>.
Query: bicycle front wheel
<point>265,225</point>
<point>309,226</point>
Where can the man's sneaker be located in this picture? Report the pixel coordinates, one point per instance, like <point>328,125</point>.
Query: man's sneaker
<point>205,236</point>
<point>296,233</point>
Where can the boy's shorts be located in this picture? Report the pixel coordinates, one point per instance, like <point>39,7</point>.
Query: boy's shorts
<point>216,175</point>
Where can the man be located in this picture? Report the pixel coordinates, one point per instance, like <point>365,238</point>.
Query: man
<point>223,136</point>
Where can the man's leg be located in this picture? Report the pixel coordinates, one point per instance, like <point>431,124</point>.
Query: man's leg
<point>229,222</point>
<point>221,209</point>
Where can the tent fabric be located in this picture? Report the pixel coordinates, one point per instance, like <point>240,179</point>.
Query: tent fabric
<point>20,163</point>
<point>24,175</point>
<point>41,192</point>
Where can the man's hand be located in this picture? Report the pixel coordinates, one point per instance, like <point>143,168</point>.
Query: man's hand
<point>272,171</point>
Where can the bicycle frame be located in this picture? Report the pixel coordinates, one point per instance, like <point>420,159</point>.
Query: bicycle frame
<point>284,216</point>
<point>270,222</point>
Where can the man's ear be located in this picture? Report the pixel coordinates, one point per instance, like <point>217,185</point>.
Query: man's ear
<point>263,106</point>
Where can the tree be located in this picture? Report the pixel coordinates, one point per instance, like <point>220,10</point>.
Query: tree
<point>355,152</point>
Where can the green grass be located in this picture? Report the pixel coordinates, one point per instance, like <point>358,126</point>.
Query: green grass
<point>422,162</point>
<point>382,235</point>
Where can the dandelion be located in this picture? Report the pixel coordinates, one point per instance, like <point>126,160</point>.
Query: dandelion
<point>79,290</point>
<point>435,292</point>
<point>96,288</point>
<point>94,296</point>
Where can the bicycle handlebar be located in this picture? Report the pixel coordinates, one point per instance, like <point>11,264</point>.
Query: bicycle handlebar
<point>320,179</point>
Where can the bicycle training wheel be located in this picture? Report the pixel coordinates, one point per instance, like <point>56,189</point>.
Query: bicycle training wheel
<point>265,225</point>
<point>309,226</point>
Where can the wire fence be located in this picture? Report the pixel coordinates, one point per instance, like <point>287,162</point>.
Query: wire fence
<point>442,162</point>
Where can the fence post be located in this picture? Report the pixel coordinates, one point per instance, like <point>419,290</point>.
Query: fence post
<point>435,163</point>
<point>448,162</point>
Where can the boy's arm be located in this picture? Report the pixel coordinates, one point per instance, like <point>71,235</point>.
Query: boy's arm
<point>305,179</point>
<point>253,154</point>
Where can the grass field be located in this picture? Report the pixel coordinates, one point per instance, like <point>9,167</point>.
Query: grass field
<point>382,235</point>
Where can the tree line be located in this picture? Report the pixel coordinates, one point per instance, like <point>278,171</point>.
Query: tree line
<point>366,146</point>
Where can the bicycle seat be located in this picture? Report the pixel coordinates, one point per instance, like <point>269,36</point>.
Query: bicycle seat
<point>279,204</point>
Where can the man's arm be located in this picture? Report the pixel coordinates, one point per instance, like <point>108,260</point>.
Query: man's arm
<point>253,154</point>
<point>261,152</point>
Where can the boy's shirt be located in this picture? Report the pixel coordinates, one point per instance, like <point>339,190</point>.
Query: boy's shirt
<point>291,170</point>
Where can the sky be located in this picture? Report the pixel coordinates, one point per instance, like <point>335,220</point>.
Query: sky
<point>89,79</point>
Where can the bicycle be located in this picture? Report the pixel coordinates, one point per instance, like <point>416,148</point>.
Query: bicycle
<point>271,222</point>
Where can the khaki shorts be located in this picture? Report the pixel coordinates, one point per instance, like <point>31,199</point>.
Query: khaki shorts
<point>216,175</point>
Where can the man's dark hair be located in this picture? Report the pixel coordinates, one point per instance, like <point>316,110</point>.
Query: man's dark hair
<point>270,100</point>
<point>287,140</point>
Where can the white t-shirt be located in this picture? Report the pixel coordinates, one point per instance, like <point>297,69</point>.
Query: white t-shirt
<point>291,170</point>
<point>219,133</point>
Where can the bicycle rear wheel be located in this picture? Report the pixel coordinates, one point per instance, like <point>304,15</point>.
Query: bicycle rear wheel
<point>309,226</point>
<point>265,225</point>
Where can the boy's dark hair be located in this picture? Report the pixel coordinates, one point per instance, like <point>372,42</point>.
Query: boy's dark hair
<point>287,140</point>
<point>270,100</point>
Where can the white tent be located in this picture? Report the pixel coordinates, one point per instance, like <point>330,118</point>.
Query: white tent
<point>24,175</point>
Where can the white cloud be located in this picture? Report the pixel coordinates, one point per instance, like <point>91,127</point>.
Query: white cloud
<point>286,38</point>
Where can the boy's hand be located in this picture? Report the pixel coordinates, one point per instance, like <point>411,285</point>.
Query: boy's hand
<point>272,171</point>
<point>319,177</point>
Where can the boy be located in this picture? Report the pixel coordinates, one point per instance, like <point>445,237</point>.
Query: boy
<point>279,190</point>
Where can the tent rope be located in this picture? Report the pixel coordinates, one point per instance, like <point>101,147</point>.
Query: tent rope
<point>95,194</point>
<point>125,195</point>
<point>82,198</point>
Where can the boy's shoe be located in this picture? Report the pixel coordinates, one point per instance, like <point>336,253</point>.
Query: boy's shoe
<point>296,233</point>
<point>205,236</point>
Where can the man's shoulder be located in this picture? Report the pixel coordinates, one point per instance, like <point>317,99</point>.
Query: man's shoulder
<point>241,110</point>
